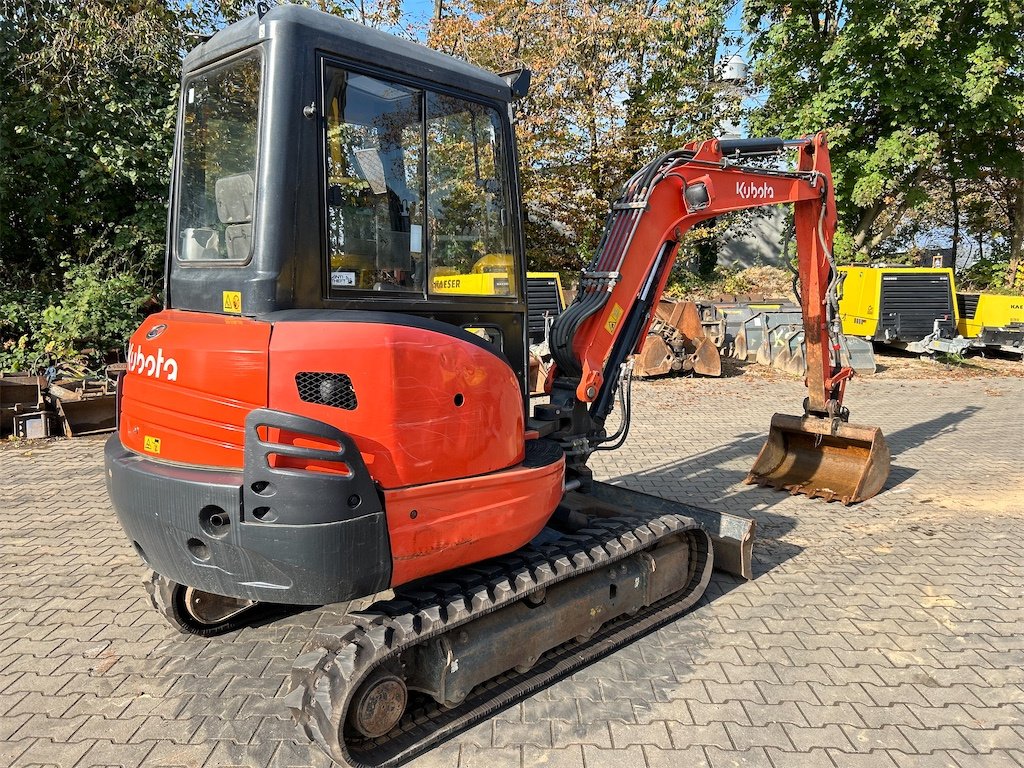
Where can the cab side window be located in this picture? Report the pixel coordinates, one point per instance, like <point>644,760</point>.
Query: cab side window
<point>374,183</point>
<point>467,200</point>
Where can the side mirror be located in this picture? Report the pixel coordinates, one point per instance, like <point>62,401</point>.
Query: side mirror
<point>519,81</point>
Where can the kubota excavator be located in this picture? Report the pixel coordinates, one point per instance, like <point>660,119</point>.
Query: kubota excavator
<point>309,421</point>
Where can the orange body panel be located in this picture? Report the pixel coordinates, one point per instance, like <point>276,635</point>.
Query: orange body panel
<point>188,389</point>
<point>430,407</point>
<point>437,527</point>
<point>438,420</point>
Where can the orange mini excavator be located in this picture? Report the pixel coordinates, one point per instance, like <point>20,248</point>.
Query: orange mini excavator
<point>315,418</point>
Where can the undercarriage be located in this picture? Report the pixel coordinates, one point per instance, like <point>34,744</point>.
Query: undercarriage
<point>445,653</point>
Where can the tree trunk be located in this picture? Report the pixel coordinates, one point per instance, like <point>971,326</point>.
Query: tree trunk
<point>1016,236</point>
<point>867,220</point>
<point>954,197</point>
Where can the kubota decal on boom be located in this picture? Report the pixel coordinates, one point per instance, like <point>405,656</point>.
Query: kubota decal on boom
<point>748,190</point>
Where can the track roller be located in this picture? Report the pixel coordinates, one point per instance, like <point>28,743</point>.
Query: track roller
<point>378,705</point>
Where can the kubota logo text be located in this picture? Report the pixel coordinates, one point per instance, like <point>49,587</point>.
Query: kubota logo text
<point>748,190</point>
<point>157,366</point>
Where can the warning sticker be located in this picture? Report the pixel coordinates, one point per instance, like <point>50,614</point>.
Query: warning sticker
<point>151,444</point>
<point>613,319</point>
<point>233,302</point>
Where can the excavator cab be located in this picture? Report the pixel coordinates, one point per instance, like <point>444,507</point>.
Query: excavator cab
<point>321,166</point>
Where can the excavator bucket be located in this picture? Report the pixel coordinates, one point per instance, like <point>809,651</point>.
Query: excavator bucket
<point>822,457</point>
<point>677,341</point>
<point>655,359</point>
<point>706,359</point>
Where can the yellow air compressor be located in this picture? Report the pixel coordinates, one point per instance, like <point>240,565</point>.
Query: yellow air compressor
<point>911,308</point>
<point>992,320</point>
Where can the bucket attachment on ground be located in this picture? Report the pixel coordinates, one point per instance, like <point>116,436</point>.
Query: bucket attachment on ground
<point>677,341</point>
<point>820,457</point>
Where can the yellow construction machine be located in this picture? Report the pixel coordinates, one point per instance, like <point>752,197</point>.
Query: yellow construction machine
<point>910,308</point>
<point>992,321</point>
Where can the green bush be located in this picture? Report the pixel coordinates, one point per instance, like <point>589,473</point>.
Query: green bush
<point>989,275</point>
<point>78,328</point>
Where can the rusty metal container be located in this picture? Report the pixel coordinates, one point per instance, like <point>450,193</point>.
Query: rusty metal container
<point>18,393</point>
<point>677,341</point>
<point>827,458</point>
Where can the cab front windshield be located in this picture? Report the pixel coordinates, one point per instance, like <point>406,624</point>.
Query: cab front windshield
<point>417,200</point>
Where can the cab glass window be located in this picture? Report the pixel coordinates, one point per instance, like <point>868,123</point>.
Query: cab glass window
<point>467,200</point>
<point>375,181</point>
<point>217,184</point>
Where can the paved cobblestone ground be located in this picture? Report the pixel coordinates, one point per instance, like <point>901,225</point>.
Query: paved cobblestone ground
<point>888,634</point>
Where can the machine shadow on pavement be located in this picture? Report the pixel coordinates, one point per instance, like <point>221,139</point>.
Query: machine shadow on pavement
<point>707,479</point>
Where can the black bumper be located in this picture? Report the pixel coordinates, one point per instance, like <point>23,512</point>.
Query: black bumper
<point>267,534</point>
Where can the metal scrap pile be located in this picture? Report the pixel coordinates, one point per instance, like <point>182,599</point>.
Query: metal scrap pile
<point>688,336</point>
<point>34,407</point>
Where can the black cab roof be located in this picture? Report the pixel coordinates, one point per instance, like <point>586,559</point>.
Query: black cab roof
<point>352,41</point>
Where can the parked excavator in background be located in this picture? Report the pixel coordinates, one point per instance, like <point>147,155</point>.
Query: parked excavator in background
<point>313,419</point>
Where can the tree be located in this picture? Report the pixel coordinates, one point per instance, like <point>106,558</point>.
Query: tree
<point>614,84</point>
<point>86,133</point>
<point>921,98</point>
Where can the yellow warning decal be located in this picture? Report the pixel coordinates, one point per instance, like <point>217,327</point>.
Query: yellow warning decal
<point>233,302</point>
<point>151,444</point>
<point>613,319</point>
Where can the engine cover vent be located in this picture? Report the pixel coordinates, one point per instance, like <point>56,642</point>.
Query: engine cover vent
<point>333,389</point>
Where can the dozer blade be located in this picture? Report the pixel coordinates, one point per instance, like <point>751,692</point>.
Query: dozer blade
<point>732,536</point>
<point>822,457</point>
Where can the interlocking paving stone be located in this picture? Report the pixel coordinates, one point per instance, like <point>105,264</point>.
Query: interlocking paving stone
<point>883,634</point>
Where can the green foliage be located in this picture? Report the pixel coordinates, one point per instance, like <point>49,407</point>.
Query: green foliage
<point>80,327</point>
<point>988,275</point>
<point>86,133</point>
<point>923,100</point>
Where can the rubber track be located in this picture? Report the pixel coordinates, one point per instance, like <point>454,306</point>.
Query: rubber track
<point>324,679</point>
